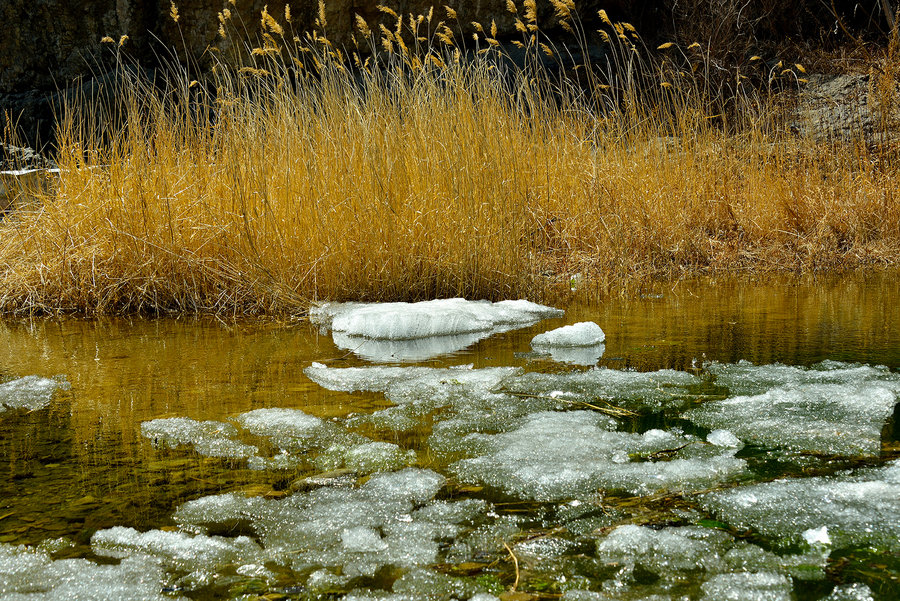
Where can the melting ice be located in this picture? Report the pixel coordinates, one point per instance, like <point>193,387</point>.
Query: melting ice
<point>833,408</point>
<point>30,392</point>
<point>385,332</point>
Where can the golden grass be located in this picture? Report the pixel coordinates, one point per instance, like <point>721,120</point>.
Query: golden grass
<point>268,187</point>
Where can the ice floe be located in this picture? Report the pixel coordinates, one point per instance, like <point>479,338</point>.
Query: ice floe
<point>303,439</point>
<point>179,550</point>
<point>584,333</point>
<point>578,344</point>
<point>635,390</point>
<point>844,419</point>
<point>744,378</point>
<point>848,510</point>
<point>389,520</point>
<point>669,552</point>
<point>210,438</point>
<point>30,392</point>
<point>557,455</point>
<point>431,327</point>
<point>31,574</point>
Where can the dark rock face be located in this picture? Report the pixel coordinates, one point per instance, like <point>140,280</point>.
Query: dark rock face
<point>47,45</point>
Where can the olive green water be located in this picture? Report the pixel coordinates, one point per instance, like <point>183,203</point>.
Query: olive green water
<point>81,465</point>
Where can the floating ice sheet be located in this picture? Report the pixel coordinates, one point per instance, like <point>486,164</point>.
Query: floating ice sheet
<point>406,379</point>
<point>670,552</point>
<point>842,419</point>
<point>209,438</point>
<point>31,574</point>
<point>858,510</point>
<point>30,392</point>
<point>654,390</point>
<point>557,455</point>
<point>178,550</point>
<point>468,394</point>
<point>439,326</point>
<point>302,439</point>
<point>745,378</point>
<point>390,520</point>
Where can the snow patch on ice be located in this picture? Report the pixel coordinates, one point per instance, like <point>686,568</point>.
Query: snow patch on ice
<point>584,333</point>
<point>448,324</point>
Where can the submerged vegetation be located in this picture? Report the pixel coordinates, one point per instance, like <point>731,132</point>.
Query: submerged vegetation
<point>435,160</point>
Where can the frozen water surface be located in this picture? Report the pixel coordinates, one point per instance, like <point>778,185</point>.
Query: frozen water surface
<point>29,574</point>
<point>745,378</point>
<point>390,520</point>
<point>30,392</point>
<point>557,455</point>
<point>858,510</point>
<point>179,550</point>
<point>631,389</point>
<point>210,438</point>
<point>842,419</point>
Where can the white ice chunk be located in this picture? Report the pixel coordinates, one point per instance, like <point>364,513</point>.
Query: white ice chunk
<point>851,592</point>
<point>294,430</point>
<point>180,550</point>
<point>225,510</point>
<point>724,438</point>
<point>842,419</point>
<point>210,438</point>
<point>443,317</point>
<point>655,390</point>
<point>30,574</point>
<point>816,536</point>
<point>861,509</point>
<point>557,455</point>
<point>443,325</point>
<point>279,422</point>
<point>30,392</point>
<point>585,333</point>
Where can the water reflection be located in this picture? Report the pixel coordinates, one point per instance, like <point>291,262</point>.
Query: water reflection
<point>80,464</point>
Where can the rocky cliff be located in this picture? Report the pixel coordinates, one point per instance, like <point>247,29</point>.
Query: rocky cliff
<point>46,45</point>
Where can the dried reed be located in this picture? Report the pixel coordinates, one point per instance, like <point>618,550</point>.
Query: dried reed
<point>429,168</point>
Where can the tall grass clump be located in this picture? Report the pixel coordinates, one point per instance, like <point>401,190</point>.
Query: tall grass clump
<point>426,162</point>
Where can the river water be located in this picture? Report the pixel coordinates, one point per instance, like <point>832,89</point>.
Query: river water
<point>80,464</point>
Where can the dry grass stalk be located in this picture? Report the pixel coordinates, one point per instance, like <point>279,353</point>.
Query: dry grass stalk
<point>303,174</point>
